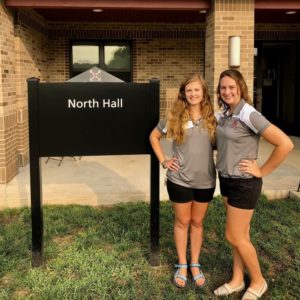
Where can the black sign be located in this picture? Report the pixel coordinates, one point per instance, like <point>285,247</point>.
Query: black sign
<point>95,119</point>
<point>77,119</point>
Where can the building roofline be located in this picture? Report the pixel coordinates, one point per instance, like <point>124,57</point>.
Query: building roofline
<point>112,4</point>
<point>277,4</point>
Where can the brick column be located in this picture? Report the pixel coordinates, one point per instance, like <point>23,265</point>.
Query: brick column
<point>227,18</point>
<point>8,119</point>
<point>31,46</point>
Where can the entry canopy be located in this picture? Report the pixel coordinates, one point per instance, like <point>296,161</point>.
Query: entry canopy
<point>95,75</point>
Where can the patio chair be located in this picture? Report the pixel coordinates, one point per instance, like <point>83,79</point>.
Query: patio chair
<point>60,159</point>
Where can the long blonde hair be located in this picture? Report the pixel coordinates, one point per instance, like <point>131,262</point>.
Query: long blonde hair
<point>179,114</point>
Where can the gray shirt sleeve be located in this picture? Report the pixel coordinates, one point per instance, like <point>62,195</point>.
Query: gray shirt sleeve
<point>253,119</point>
<point>161,126</point>
<point>259,122</point>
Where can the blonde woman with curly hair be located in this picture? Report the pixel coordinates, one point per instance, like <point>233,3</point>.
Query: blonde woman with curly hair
<point>191,178</point>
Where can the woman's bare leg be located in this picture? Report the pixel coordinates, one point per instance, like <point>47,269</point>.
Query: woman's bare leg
<point>181,226</point>
<point>196,235</point>
<point>237,233</point>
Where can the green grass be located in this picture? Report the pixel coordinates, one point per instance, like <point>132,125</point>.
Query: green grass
<point>103,253</point>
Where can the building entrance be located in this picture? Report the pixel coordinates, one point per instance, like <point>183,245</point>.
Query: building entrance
<point>277,84</point>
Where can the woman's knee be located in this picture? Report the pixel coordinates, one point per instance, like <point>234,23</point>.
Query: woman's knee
<point>236,240</point>
<point>231,238</point>
<point>196,222</point>
<point>182,222</point>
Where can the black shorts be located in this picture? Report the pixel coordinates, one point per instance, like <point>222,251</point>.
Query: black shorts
<point>181,194</point>
<point>241,192</point>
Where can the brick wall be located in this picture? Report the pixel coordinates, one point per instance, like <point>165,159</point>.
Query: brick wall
<point>284,32</point>
<point>24,44</point>
<point>35,47</point>
<point>31,60</point>
<point>169,60</point>
<point>38,49</point>
<point>8,159</point>
<point>227,18</point>
<point>159,51</point>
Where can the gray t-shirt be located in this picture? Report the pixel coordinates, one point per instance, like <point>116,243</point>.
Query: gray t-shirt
<point>195,157</point>
<point>238,137</point>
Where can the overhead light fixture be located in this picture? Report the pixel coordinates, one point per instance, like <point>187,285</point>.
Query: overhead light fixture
<point>97,10</point>
<point>290,12</point>
<point>234,51</point>
<point>203,11</point>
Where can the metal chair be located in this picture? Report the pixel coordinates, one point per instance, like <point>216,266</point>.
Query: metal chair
<point>60,159</point>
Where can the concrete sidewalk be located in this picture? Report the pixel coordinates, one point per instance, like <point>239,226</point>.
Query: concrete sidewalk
<point>105,180</point>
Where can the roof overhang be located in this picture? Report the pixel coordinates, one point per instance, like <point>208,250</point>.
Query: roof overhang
<point>275,11</point>
<point>189,11</point>
<point>185,11</point>
<point>277,4</point>
<point>112,4</point>
<point>142,4</point>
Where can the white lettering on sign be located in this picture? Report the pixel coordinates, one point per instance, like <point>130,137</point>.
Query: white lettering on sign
<point>112,103</point>
<point>92,103</point>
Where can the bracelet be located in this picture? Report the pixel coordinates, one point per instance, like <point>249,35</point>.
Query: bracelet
<point>164,164</point>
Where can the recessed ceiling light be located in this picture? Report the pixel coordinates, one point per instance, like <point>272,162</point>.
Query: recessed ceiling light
<point>291,12</point>
<point>203,11</point>
<point>97,10</point>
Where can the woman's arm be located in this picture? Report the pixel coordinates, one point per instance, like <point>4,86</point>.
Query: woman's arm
<point>283,145</point>
<point>155,137</point>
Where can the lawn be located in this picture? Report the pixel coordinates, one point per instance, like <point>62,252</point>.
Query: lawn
<point>102,253</point>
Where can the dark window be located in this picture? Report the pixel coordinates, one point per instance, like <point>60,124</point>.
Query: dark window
<point>112,57</point>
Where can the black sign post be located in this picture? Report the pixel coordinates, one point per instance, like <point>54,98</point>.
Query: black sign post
<point>154,193</point>
<point>35,175</point>
<point>78,119</point>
